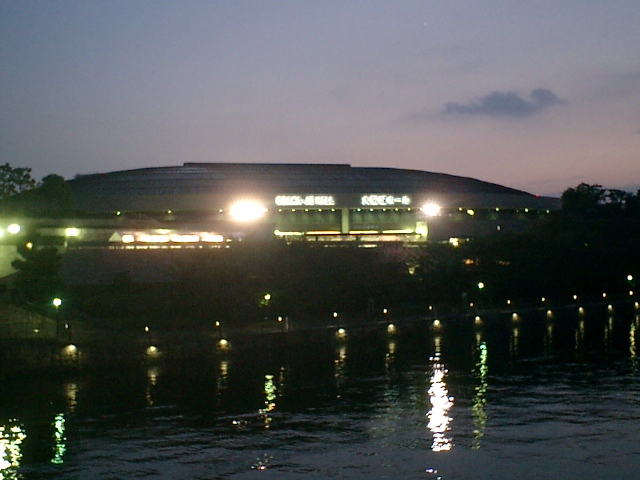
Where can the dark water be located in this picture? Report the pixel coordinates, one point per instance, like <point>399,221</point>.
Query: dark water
<point>527,397</point>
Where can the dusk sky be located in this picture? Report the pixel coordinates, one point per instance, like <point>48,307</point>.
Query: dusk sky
<point>535,95</point>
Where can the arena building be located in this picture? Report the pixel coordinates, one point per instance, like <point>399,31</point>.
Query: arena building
<point>199,204</point>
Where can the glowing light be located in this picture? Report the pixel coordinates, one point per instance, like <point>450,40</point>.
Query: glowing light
<point>320,232</point>
<point>610,307</point>
<point>437,323</point>
<point>480,285</point>
<point>575,297</point>
<point>544,299</point>
<point>391,328</point>
<point>515,316</point>
<point>57,302</point>
<point>341,333</point>
<point>153,238</point>
<point>71,232</point>
<point>630,277</point>
<point>335,314</point>
<point>186,238</point>
<point>246,211</point>
<point>604,295</point>
<point>431,209</point>
<point>153,351</point>
<point>223,343</point>
<point>581,310</point>
<point>305,201</point>
<point>267,296</point>
<point>384,200</point>
<point>128,238</point>
<point>384,311</point>
<point>70,350</point>
<point>211,237</point>
<point>471,212</point>
<point>13,228</point>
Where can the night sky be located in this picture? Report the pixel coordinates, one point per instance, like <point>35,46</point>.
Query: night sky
<point>535,95</point>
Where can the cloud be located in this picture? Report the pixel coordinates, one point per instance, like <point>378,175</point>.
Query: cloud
<point>506,104</point>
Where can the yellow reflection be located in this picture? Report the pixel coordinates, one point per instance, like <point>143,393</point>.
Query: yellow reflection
<point>340,365</point>
<point>478,410</point>
<point>269,399</point>
<point>11,438</point>
<point>390,357</point>
<point>632,340</point>
<point>59,439</point>
<point>71,392</point>
<point>152,376</point>
<point>579,336</point>
<point>514,341</point>
<point>548,339</point>
<point>437,344</point>
<point>441,403</point>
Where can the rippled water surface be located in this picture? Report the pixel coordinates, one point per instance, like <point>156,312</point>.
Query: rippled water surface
<point>521,397</point>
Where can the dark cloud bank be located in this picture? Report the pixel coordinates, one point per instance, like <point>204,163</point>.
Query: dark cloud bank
<point>506,104</point>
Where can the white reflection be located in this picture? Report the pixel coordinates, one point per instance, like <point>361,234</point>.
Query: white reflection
<point>11,438</point>
<point>59,439</point>
<point>479,413</point>
<point>441,403</point>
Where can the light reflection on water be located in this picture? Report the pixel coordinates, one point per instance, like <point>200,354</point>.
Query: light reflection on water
<point>533,396</point>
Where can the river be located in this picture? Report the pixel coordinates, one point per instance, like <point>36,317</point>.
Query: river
<point>517,396</point>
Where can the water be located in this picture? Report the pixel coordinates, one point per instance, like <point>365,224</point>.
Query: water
<point>535,396</point>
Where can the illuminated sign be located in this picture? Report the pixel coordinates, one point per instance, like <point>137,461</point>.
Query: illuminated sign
<point>384,200</point>
<point>305,200</point>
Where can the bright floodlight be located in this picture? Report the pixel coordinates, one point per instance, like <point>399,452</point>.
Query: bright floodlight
<point>431,209</point>
<point>13,228</point>
<point>71,232</point>
<point>57,302</point>
<point>246,211</point>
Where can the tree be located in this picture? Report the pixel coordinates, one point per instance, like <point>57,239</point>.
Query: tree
<point>583,200</point>
<point>38,278</point>
<point>15,180</point>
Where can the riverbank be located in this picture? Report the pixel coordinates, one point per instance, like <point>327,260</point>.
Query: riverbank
<point>31,343</point>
